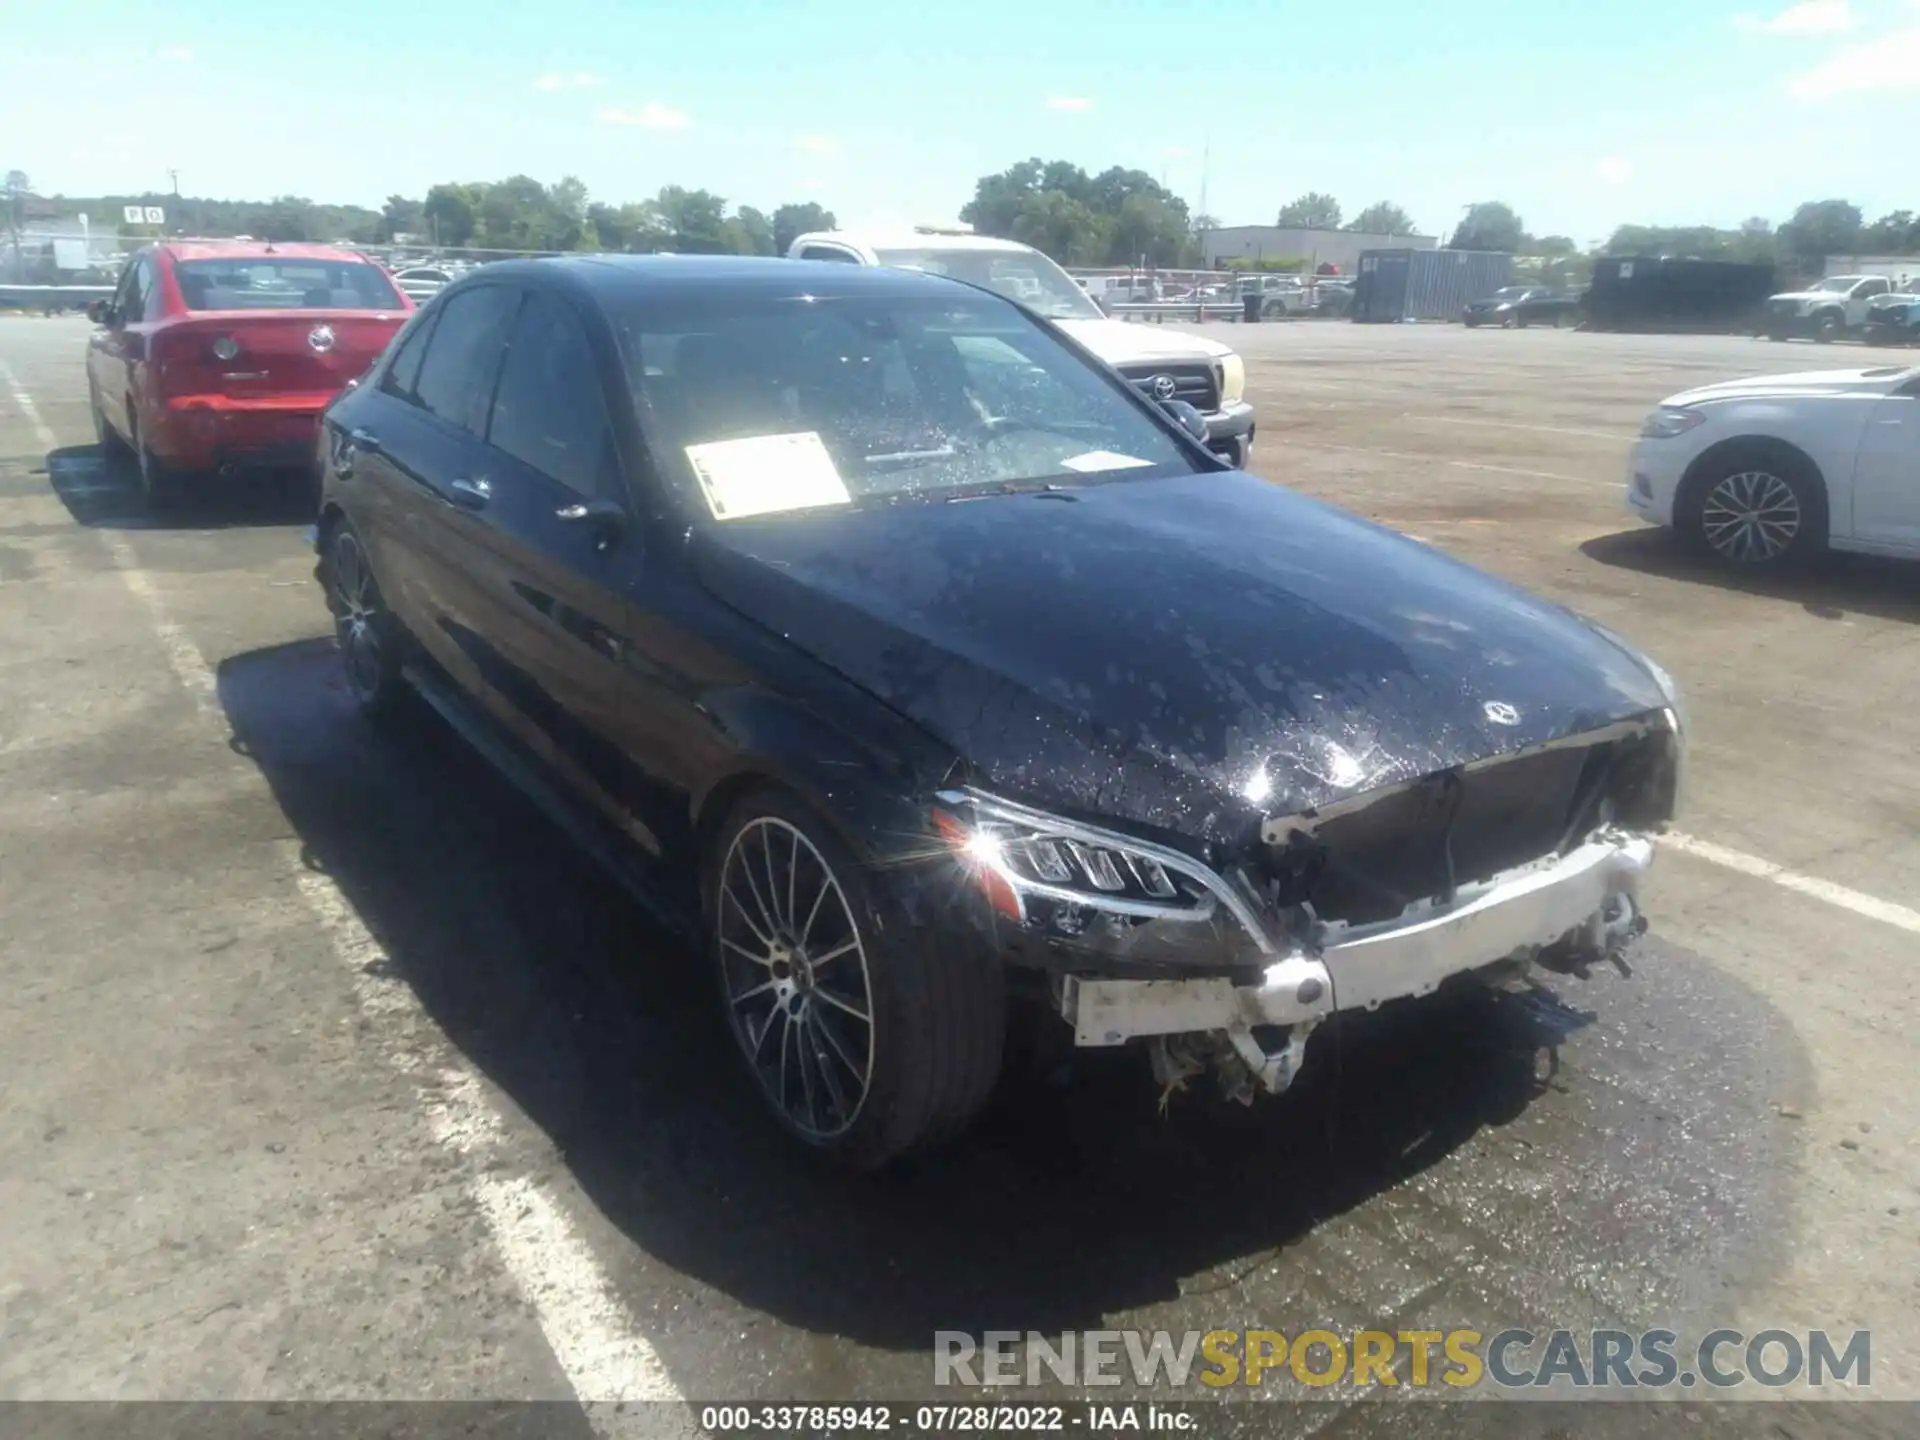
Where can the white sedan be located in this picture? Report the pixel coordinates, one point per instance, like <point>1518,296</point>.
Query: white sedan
<point>1758,472</point>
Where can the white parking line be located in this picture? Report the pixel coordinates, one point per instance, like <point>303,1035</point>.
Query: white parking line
<point>1289,439</point>
<point>607,1361</point>
<point>1510,425</point>
<point>1872,907</point>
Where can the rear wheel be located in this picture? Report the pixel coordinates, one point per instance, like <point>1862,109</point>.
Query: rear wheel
<point>368,635</point>
<point>111,445</point>
<point>868,1035</point>
<point>1757,510</point>
<point>161,486</point>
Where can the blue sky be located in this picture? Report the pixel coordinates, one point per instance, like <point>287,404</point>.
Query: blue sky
<point>1581,116</point>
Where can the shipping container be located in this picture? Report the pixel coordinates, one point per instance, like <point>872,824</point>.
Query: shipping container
<point>1425,284</point>
<point>1653,293</point>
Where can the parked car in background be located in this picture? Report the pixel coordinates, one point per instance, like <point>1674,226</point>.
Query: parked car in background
<point>219,355</point>
<point>422,282</point>
<point>1893,320</point>
<point>923,668</point>
<point>1165,363</point>
<point>1831,309</point>
<point>1517,306</point>
<point>1769,470</point>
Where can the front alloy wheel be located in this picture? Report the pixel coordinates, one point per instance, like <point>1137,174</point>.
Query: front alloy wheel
<point>799,996</point>
<point>1752,517</point>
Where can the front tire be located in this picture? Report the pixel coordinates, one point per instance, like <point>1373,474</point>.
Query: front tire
<point>867,1033</point>
<point>1827,329</point>
<point>1758,510</point>
<point>369,637</point>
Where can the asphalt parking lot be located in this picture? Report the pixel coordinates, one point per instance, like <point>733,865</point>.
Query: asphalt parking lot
<point>330,1071</point>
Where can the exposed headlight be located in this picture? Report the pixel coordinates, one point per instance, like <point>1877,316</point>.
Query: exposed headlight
<point>1043,870</point>
<point>226,348</point>
<point>1233,379</point>
<point>1669,421</point>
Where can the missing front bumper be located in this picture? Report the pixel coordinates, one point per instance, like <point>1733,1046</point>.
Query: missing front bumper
<point>1574,909</point>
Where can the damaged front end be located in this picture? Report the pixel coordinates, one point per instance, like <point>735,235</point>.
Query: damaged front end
<point>1225,960</point>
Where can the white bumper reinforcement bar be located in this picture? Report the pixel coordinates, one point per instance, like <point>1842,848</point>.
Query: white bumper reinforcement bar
<point>1361,967</point>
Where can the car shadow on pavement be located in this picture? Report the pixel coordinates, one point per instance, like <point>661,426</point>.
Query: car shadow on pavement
<point>1071,1200</point>
<point>1831,586</point>
<point>102,491</point>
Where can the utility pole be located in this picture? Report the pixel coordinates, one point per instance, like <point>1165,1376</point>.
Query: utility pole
<point>174,177</point>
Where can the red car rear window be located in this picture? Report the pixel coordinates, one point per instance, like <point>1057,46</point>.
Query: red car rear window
<point>249,283</point>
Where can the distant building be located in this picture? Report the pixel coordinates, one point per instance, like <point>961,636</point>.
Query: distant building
<point>1316,247</point>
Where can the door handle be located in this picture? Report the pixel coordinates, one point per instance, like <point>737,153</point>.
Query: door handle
<point>365,440</point>
<point>472,494</point>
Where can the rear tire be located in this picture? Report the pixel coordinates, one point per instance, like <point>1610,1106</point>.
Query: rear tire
<point>161,486</point>
<point>371,640</point>
<point>112,447</point>
<point>814,959</point>
<point>1759,509</point>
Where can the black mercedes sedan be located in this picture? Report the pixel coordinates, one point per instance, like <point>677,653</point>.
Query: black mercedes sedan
<point>890,642</point>
<point>1518,306</point>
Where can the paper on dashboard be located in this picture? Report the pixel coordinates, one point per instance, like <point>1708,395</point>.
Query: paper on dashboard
<point>767,474</point>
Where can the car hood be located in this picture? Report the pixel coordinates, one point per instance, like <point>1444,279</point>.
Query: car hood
<point>1836,296</point>
<point>1183,654</point>
<point>1119,343</point>
<point>1879,380</point>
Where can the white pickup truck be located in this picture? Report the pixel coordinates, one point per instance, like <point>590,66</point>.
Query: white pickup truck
<point>1163,363</point>
<point>1834,307</point>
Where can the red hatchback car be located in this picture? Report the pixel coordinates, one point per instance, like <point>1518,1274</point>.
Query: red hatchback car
<point>217,355</point>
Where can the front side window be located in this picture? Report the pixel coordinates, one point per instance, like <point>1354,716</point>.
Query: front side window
<point>785,404</point>
<point>266,283</point>
<point>548,411</point>
<point>463,355</point>
<point>131,304</point>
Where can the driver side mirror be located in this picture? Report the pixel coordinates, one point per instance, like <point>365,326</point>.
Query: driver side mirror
<point>100,312</point>
<point>1187,418</point>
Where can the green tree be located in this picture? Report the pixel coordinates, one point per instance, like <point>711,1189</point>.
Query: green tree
<point>1315,210</point>
<point>792,220</point>
<point>1383,217</point>
<point>749,232</point>
<point>452,213</point>
<point>401,215</point>
<point>1489,225</point>
<point>1063,227</point>
<point>1818,229</point>
<point>1897,233</point>
<point>695,220</point>
<point>286,217</point>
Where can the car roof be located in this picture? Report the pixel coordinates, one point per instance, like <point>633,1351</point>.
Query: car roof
<point>626,277</point>
<point>257,250</point>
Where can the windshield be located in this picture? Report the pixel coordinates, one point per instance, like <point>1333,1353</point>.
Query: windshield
<point>1023,275</point>
<point>245,283</point>
<point>1512,292</point>
<point>776,406</point>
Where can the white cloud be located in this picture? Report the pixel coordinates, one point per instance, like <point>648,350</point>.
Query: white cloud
<point>1889,63</point>
<point>578,80</point>
<point>1810,17</point>
<point>1175,152</point>
<point>816,144</point>
<point>809,184</point>
<point>180,54</point>
<point>650,116</point>
<point>1612,170</point>
<point>1069,102</point>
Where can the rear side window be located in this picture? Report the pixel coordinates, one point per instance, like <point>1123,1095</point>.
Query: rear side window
<point>548,411</point>
<point>405,369</point>
<point>463,355</point>
<point>250,283</point>
<point>827,252</point>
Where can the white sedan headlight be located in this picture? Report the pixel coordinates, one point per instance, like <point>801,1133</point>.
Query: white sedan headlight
<point>1233,378</point>
<point>1669,421</point>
